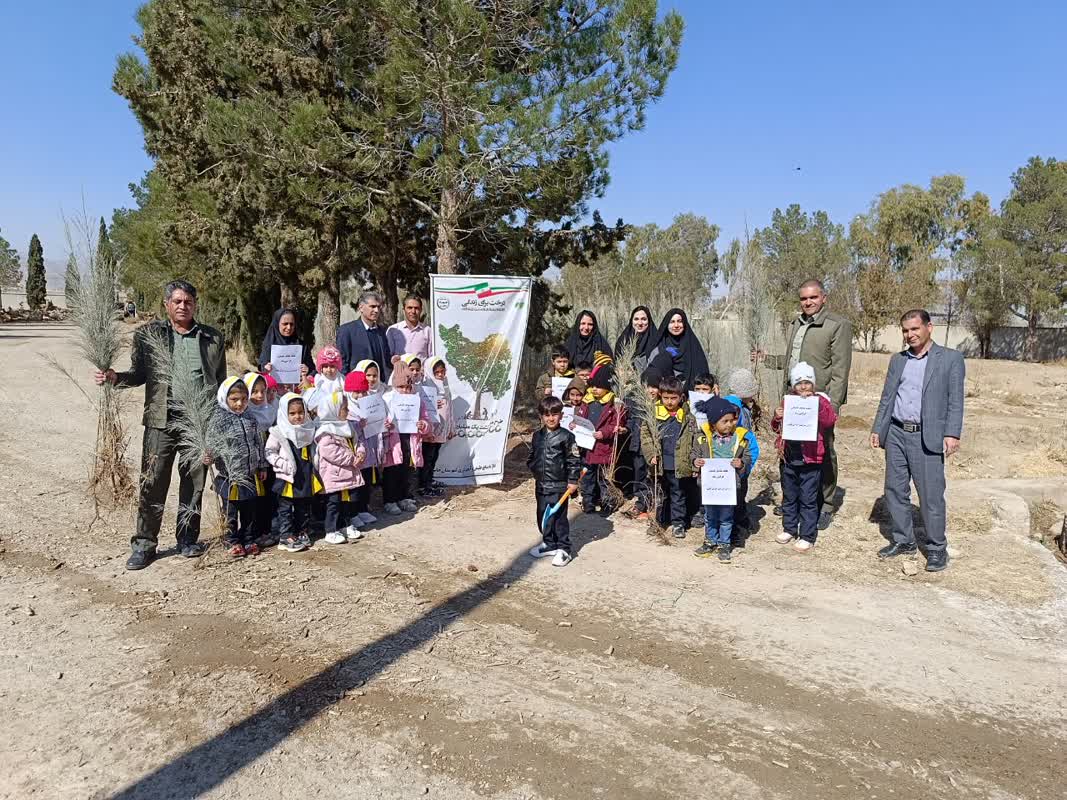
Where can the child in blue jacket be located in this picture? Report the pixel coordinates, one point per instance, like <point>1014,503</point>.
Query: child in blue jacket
<point>742,385</point>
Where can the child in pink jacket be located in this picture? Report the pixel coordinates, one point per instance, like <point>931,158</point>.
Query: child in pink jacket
<point>435,384</point>
<point>402,452</point>
<point>338,457</point>
<point>356,388</point>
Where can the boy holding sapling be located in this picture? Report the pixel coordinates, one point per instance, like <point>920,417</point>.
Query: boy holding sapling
<point>721,438</point>
<point>240,465</point>
<point>638,408</point>
<point>291,453</point>
<point>607,419</point>
<point>561,368</point>
<point>668,449</point>
<point>556,465</point>
<point>802,465</point>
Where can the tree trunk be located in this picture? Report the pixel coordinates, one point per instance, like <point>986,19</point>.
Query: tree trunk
<point>1031,336</point>
<point>447,240</point>
<point>390,298</point>
<point>290,298</point>
<point>329,316</point>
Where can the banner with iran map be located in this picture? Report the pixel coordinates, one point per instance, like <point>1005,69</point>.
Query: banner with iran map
<point>479,326</point>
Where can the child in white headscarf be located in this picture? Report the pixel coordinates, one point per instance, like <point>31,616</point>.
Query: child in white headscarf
<point>443,427</point>
<point>291,452</point>
<point>401,452</point>
<point>338,458</point>
<point>263,408</point>
<point>374,373</point>
<point>240,465</point>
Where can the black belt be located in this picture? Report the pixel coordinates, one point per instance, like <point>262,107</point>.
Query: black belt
<point>908,427</point>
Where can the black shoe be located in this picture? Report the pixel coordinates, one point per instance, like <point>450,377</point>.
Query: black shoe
<point>777,511</point>
<point>194,550</point>
<point>724,553</point>
<point>139,559</point>
<point>679,532</point>
<point>706,550</point>
<point>893,550</point>
<point>936,560</point>
<point>825,520</point>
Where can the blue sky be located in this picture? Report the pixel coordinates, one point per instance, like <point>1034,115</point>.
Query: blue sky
<point>861,96</point>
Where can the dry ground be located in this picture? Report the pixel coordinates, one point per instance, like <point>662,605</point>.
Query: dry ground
<point>435,659</point>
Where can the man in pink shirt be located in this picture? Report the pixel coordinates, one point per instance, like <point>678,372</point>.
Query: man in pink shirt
<point>410,335</point>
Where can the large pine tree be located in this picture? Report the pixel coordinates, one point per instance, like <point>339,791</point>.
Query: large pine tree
<point>36,280</point>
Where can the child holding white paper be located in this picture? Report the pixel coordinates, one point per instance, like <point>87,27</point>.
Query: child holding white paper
<point>338,457</point>
<point>373,373</point>
<point>802,465</point>
<point>607,418</point>
<point>402,452</point>
<point>561,368</point>
<point>721,438</point>
<point>443,429</point>
<point>357,388</point>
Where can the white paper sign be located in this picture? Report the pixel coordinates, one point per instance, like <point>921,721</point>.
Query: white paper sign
<point>568,415</point>
<point>694,398</point>
<point>718,483</point>
<point>372,409</point>
<point>431,393</point>
<point>559,387</point>
<point>800,422</point>
<point>405,409</point>
<point>583,431</point>
<point>285,362</point>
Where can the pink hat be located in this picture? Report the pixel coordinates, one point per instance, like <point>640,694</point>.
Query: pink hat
<point>329,356</point>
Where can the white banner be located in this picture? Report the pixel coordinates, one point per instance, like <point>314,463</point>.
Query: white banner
<point>479,326</point>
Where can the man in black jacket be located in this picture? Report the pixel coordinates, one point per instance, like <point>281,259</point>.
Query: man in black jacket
<point>556,466</point>
<point>365,338</point>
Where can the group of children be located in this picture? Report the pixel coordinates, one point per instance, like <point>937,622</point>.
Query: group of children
<point>283,464</point>
<point>664,457</point>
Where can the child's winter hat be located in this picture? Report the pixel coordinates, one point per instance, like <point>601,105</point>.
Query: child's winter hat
<point>272,385</point>
<point>399,377</point>
<point>329,356</point>
<point>801,372</point>
<point>601,378</point>
<point>356,382</point>
<point>576,383</point>
<point>742,383</point>
<point>715,408</point>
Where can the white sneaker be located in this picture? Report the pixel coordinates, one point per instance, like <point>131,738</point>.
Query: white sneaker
<point>408,505</point>
<point>366,518</point>
<point>784,537</point>
<point>392,509</point>
<point>803,545</point>
<point>353,534</point>
<point>561,559</point>
<point>542,550</point>
<point>335,537</point>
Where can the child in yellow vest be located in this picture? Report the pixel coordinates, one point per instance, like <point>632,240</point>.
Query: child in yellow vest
<point>291,453</point>
<point>720,438</point>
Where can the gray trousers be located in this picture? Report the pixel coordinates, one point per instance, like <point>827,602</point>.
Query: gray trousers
<point>906,460</point>
<point>158,451</point>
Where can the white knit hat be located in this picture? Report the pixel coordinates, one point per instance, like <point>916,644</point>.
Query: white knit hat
<point>742,383</point>
<point>803,371</point>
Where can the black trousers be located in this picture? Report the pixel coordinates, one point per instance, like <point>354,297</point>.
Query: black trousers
<point>596,490</point>
<point>557,532</point>
<point>741,518</point>
<point>396,480</point>
<point>672,510</point>
<point>339,512</point>
<point>430,452</point>
<point>801,499</point>
<point>240,521</point>
<point>641,487</point>
<point>293,516</point>
<point>158,450</point>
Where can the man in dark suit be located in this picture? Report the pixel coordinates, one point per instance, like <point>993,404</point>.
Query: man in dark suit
<point>365,338</point>
<point>919,422</point>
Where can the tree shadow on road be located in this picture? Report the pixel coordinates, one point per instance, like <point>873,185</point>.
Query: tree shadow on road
<point>206,766</point>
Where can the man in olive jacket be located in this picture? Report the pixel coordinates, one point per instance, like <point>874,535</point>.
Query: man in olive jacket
<point>823,339</point>
<point>199,354</point>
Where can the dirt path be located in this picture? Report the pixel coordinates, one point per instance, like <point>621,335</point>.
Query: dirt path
<point>436,659</point>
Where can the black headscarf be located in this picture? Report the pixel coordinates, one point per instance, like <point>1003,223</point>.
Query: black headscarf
<point>687,354</point>
<point>584,348</point>
<point>646,341</point>
<point>274,337</point>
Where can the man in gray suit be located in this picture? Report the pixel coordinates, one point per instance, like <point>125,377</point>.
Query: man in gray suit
<point>919,423</point>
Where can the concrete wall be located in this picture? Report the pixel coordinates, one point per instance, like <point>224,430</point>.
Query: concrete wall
<point>1008,342</point>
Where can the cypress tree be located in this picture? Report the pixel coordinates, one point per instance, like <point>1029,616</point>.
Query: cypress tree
<point>72,281</point>
<point>36,281</point>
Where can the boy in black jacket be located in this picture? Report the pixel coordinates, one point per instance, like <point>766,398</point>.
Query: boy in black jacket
<point>556,465</point>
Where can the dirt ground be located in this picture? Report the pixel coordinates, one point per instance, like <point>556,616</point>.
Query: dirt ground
<point>435,659</point>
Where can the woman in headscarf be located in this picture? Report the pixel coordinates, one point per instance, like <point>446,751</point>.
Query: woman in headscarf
<point>677,340</point>
<point>586,340</point>
<point>284,330</point>
<point>641,329</point>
